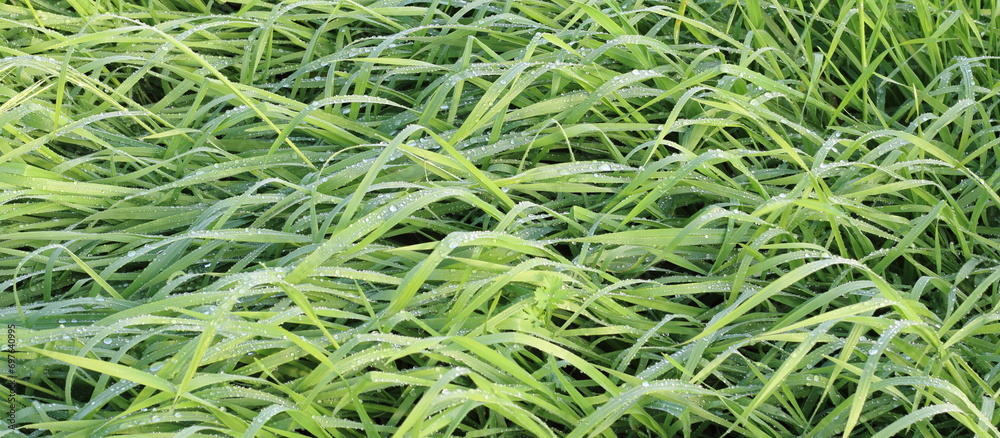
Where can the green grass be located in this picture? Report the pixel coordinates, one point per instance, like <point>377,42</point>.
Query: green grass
<point>501,218</point>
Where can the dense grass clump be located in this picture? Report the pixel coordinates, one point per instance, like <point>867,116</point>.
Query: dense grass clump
<point>501,218</point>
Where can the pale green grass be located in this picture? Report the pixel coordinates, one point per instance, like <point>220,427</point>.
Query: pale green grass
<point>501,218</point>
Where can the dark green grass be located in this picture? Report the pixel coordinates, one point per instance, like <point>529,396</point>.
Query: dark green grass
<point>501,218</point>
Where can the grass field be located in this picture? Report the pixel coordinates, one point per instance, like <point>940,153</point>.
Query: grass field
<point>432,218</point>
